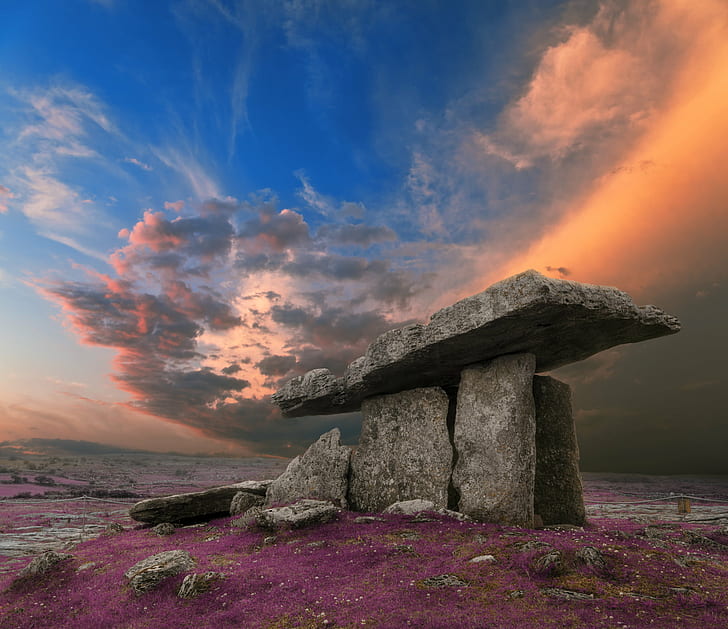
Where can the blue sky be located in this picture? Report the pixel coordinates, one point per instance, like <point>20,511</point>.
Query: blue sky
<point>201,198</point>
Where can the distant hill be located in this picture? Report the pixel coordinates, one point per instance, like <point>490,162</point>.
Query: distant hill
<point>61,447</point>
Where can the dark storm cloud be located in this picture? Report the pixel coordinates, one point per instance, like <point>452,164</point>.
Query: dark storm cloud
<point>278,230</point>
<point>276,365</point>
<point>361,235</point>
<point>334,266</point>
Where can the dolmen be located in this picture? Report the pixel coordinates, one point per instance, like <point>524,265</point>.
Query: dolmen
<point>453,412</point>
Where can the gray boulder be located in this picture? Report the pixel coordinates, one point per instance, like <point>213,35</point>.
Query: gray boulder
<point>404,451</point>
<point>195,584</point>
<point>150,572</point>
<point>164,529</point>
<point>183,508</point>
<point>410,507</point>
<point>494,440</point>
<point>558,495</point>
<point>244,500</point>
<point>558,321</point>
<point>43,563</point>
<point>322,472</point>
<point>297,515</point>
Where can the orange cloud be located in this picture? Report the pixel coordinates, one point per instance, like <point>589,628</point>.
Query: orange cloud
<point>659,219</point>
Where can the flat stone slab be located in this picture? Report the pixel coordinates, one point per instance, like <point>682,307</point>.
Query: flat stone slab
<point>558,321</point>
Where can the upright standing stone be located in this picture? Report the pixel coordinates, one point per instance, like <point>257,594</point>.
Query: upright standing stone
<point>558,496</point>
<point>494,439</point>
<point>322,472</point>
<point>404,450</point>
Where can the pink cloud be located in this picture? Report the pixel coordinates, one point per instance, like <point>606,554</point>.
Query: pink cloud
<point>5,194</point>
<point>176,205</point>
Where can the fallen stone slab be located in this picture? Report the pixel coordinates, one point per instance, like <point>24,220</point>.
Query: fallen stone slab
<point>148,573</point>
<point>558,321</point>
<point>494,441</point>
<point>195,506</point>
<point>404,451</point>
<point>558,494</point>
<point>322,473</point>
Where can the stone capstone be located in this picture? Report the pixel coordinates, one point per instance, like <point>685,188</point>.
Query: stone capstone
<point>297,515</point>
<point>183,508</point>
<point>149,572</point>
<point>494,441</point>
<point>322,472</point>
<point>558,495</point>
<point>558,321</point>
<point>404,451</point>
<point>244,500</point>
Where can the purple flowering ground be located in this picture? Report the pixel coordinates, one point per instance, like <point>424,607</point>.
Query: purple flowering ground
<point>348,574</point>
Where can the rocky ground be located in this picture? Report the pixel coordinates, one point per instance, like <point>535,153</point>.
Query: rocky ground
<point>638,562</point>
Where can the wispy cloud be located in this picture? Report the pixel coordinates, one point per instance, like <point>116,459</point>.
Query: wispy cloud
<point>5,194</point>
<point>199,180</point>
<point>136,162</point>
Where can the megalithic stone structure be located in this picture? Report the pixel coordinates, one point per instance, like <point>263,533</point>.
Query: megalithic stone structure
<point>511,439</point>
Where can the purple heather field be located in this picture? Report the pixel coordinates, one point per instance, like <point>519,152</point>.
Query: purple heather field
<point>651,567</point>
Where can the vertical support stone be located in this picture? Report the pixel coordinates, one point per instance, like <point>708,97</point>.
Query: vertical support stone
<point>558,495</point>
<point>494,438</point>
<point>404,451</point>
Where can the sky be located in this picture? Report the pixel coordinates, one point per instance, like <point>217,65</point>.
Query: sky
<point>200,199</point>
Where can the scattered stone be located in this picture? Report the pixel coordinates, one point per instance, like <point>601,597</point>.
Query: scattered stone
<point>533,544</point>
<point>43,563</point>
<point>244,500</point>
<point>321,473</point>
<point>408,534</point>
<point>563,527</point>
<point>149,572</point>
<point>516,594</point>
<point>557,495</point>
<point>569,595</point>
<point>559,321</point>
<point>269,540</point>
<point>86,566</point>
<point>403,549</point>
<point>164,529</point>
<point>696,539</point>
<point>368,519</point>
<point>297,515</point>
<point>184,508</point>
<point>483,559</point>
<point>114,528</point>
<point>455,515</point>
<point>591,557</point>
<point>549,564</point>
<point>686,561</point>
<point>444,580</point>
<point>494,439</point>
<point>404,450</point>
<point>410,507</point>
<point>195,584</point>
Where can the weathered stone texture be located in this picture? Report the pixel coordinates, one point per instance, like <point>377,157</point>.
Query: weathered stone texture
<point>404,450</point>
<point>149,572</point>
<point>494,438</point>
<point>558,496</point>
<point>297,515</point>
<point>244,500</point>
<point>322,472</point>
<point>559,321</point>
<point>181,508</point>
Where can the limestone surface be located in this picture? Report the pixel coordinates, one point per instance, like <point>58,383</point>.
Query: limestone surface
<point>322,472</point>
<point>558,495</point>
<point>558,321</point>
<point>404,450</point>
<point>181,508</point>
<point>494,440</point>
<point>297,515</point>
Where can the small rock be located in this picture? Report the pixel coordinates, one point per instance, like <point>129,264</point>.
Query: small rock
<point>563,527</point>
<point>269,540</point>
<point>113,529</point>
<point>43,563</point>
<point>590,556</point>
<point>516,594</point>
<point>86,566</point>
<point>148,573</point>
<point>483,559</point>
<point>410,507</point>
<point>550,563</point>
<point>368,519</point>
<point>164,529</point>
<point>404,549</point>
<point>533,544</point>
<point>571,595</point>
<point>297,515</point>
<point>456,515</point>
<point>196,584</point>
<point>444,580</point>
<point>244,500</point>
